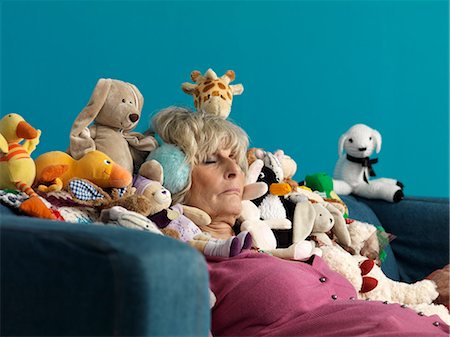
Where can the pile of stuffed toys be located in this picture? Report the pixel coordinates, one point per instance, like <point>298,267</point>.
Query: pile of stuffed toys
<point>124,185</point>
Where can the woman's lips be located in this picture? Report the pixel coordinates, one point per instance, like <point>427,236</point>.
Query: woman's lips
<point>234,190</point>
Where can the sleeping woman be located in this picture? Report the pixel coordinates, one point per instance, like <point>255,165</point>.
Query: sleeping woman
<point>258,294</point>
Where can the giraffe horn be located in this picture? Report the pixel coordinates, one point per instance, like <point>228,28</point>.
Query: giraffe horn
<point>210,74</point>
<point>195,75</point>
<point>230,74</point>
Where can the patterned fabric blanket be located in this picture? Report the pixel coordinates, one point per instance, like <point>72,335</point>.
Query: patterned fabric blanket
<point>61,204</point>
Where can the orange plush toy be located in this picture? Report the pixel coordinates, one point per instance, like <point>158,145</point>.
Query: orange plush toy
<point>56,168</point>
<point>17,169</point>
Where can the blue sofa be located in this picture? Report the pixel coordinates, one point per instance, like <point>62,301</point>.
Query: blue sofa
<point>62,279</point>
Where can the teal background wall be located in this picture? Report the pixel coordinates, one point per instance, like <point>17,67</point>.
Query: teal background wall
<point>311,69</point>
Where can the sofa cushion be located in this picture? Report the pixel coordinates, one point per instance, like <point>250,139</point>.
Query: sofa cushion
<point>358,210</point>
<point>421,226</point>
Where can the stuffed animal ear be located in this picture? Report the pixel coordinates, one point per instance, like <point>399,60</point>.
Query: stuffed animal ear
<point>196,75</point>
<point>189,88</point>
<point>138,96</point>
<point>341,142</point>
<point>253,171</point>
<point>87,193</point>
<point>340,228</point>
<point>304,217</point>
<point>152,170</point>
<point>255,190</point>
<point>377,138</point>
<point>237,89</point>
<point>230,76</point>
<point>80,137</point>
<point>260,153</point>
<point>279,154</point>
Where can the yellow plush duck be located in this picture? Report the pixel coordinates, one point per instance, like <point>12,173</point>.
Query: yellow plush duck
<point>56,168</point>
<point>17,169</point>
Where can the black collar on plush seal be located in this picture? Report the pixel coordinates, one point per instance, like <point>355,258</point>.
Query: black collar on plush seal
<point>365,162</point>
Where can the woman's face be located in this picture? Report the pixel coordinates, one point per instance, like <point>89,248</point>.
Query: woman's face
<point>217,187</point>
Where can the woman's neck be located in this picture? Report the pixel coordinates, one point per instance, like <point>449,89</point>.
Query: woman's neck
<point>220,228</point>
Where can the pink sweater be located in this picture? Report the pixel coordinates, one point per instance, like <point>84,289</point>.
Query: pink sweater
<point>259,295</point>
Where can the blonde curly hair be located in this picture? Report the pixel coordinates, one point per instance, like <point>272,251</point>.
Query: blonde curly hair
<point>199,136</point>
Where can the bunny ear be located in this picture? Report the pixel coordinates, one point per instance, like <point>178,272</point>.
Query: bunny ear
<point>340,228</point>
<point>87,193</point>
<point>304,216</point>
<point>377,137</point>
<point>138,96</point>
<point>341,142</point>
<point>80,137</point>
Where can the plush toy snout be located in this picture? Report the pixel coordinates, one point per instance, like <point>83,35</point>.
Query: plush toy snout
<point>122,108</point>
<point>133,117</point>
<point>360,141</point>
<point>162,196</point>
<point>217,106</point>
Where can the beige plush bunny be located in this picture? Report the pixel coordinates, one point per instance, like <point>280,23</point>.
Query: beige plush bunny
<point>114,109</point>
<point>316,219</point>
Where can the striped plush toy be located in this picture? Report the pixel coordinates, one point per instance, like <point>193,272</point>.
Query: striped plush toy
<point>17,168</point>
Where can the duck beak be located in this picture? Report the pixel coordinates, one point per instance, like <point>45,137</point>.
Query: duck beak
<point>119,177</point>
<point>26,131</point>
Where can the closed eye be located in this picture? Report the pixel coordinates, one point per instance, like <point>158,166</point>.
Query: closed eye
<point>210,160</point>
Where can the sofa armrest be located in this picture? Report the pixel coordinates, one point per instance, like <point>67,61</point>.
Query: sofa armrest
<point>421,226</point>
<point>63,279</point>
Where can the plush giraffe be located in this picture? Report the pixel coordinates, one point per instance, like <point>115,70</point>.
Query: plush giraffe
<point>213,94</point>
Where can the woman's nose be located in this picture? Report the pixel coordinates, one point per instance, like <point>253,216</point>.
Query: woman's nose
<point>232,169</point>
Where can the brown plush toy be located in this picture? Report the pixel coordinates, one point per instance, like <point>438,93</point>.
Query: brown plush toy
<point>114,109</point>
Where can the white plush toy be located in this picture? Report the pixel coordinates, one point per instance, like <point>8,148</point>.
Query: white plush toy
<point>369,280</point>
<point>316,220</point>
<point>372,284</point>
<point>354,166</point>
<point>261,230</point>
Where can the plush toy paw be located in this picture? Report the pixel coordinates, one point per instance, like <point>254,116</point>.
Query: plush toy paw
<point>303,250</point>
<point>368,283</point>
<point>398,196</point>
<point>56,186</point>
<point>122,217</point>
